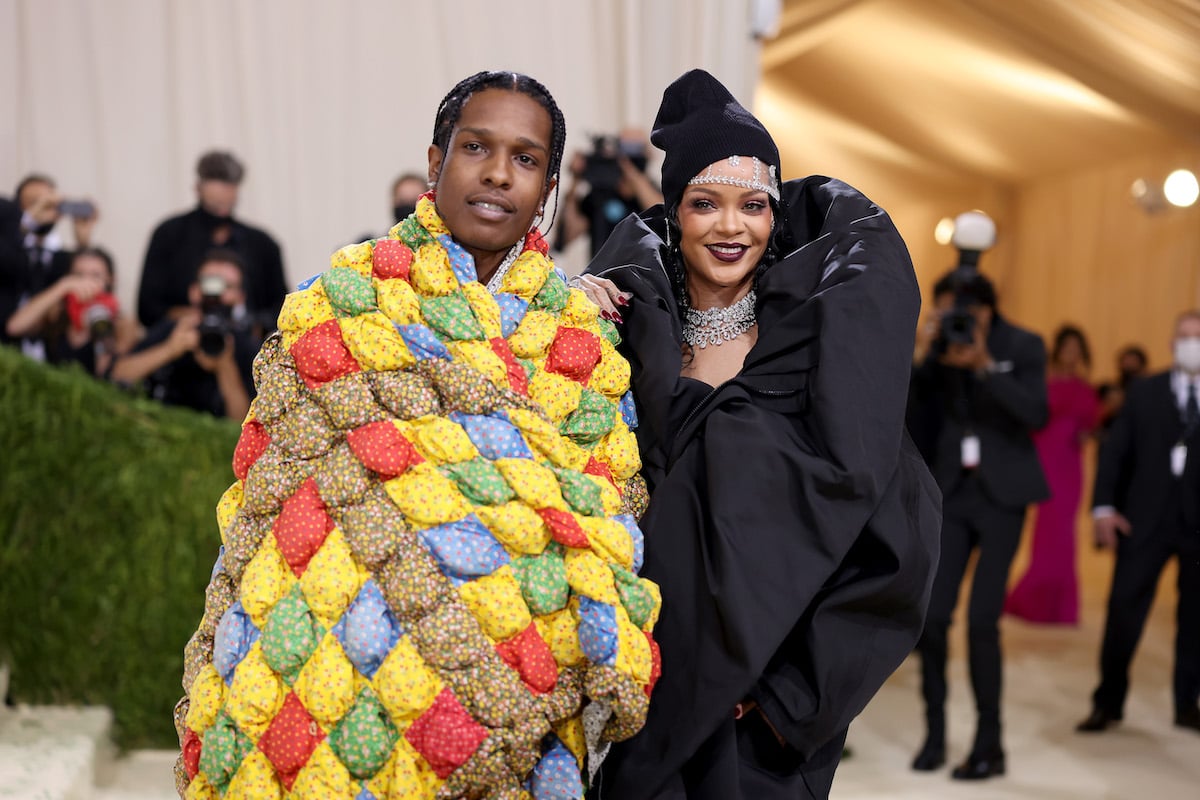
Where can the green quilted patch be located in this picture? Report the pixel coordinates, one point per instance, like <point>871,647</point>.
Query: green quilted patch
<point>364,738</point>
<point>452,317</point>
<point>594,417</point>
<point>543,580</point>
<point>580,492</point>
<point>349,293</point>
<point>224,747</point>
<point>291,635</point>
<point>479,481</point>
<point>552,296</point>
<point>413,234</point>
<point>609,331</point>
<point>638,602</point>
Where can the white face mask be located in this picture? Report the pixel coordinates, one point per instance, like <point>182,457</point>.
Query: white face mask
<point>1187,354</point>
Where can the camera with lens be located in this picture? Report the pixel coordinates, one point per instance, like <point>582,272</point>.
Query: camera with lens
<point>974,233</point>
<point>602,170</point>
<point>97,316</point>
<point>216,318</point>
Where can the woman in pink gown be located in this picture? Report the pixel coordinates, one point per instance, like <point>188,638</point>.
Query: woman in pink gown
<point>1048,592</point>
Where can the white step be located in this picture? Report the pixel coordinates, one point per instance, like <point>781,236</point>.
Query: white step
<point>51,752</point>
<point>140,775</point>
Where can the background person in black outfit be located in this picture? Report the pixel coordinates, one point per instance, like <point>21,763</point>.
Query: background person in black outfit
<point>977,405</point>
<point>1145,505</point>
<point>175,367</point>
<point>178,245</point>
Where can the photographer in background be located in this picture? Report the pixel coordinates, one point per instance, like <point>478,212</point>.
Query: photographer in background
<point>32,254</point>
<point>614,173</point>
<point>178,245</point>
<point>203,359</point>
<point>77,318</point>
<point>978,393</point>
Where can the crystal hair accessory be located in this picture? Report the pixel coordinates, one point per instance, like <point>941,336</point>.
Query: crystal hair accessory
<point>716,326</point>
<point>713,175</point>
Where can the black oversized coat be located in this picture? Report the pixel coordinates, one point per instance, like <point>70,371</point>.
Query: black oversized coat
<point>792,526</point>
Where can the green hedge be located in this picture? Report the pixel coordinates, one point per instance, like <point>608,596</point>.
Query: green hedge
<point>107,504</point>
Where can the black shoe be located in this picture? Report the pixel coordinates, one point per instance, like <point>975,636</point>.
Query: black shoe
<point>931,757</point>
<point>978,767</point>
<point>1188,718</point>
<point>1099,720</point>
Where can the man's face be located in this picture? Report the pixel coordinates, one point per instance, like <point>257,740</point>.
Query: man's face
<point>217,197</point>
<point>943,304</point>
<point>491,181</point>
<point>33,192</point>
<point>1188,328</point>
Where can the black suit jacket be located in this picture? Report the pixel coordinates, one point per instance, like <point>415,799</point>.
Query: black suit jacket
<point>1134,471</point>
<point>1002,408</point>
<point>17,277</point>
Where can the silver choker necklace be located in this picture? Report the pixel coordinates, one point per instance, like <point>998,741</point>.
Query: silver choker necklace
<point>716,326</point>
<point>493,284</point>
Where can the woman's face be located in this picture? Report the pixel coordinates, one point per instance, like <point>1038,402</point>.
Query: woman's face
<point>724,230</point>
<point>491,180</point>
<point>1070,353</point>
<point>94,267</point>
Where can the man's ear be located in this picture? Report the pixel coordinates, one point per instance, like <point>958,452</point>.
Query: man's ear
<point>436,157</point>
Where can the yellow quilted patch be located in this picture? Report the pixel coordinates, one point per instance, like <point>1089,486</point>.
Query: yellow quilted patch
<point>619,450</point>
<point>404,685</point>
<point>207,692</point>
<point>547,442</point>
<point>516,526</point>
<point>526,275</point>
<point>611,375</point>
<point>265,581</point>
<point>609,540</point>
<point>610,498</point>
<point>255,695</point>
<point>536,485</point>
<point>571,732</point>
<point>201,789</point>
<point>439,439</point>
<point>322,777</point>
<point>431,273</point>
<point>590,576</point>
<point>357,257</point>
<point>332,579</point>
<point>406,776</point>
<point>254,780</point>
<point>303,311</point>
<point>495,600</point>
<point>228,506</point>
<point>487,312</point>
<point>633,651</point>
<point>427,497</point>
<point>580,312</point>
<point>397,300</point>
<point>534,335</point>
<point>481,357</point>
<point>556,393</point>
<point>560,630</point>
<point>326,683</point>
<point>374,342</point>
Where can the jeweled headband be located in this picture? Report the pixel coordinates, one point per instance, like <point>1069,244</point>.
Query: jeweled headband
<point>757,183</point>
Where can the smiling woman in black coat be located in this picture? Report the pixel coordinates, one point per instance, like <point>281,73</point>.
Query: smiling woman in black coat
<point>792,525</point>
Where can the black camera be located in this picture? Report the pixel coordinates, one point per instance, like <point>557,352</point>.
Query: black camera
<point>602,171</point>
<point>216,318</point>
<point>99,320</point>
<point>974,232</point>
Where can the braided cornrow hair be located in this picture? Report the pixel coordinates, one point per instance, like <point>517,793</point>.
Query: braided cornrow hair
<point>452,104</point>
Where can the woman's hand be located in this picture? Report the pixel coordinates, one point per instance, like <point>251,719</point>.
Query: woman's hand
<point>604,293</point>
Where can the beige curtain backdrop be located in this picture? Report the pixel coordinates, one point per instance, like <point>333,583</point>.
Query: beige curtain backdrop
<point>324,101</point>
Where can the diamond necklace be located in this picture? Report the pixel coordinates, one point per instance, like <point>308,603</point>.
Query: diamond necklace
<point>493,284</point>
<point>716,326</point>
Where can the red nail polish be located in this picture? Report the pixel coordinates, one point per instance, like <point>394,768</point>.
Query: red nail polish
<point>616,317</point>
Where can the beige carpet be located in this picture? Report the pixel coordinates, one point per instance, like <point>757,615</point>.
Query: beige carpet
<point>1050,673</point>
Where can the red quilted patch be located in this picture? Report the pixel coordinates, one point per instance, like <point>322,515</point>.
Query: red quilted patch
<point>601,470</point>
<point>530,656</point>
<point>564,528</point>
<point>191,753</point>
<point>516,373</point>
<point>535,240</point>
<point>574,354</point>
<point>321,355</point>
<point>655,664</point>
<point>302,525</point>
<point>391,258</point>
<point>250,446</point>
<point>383,448</point>
<point>445,735</point>
<point>291,738</point>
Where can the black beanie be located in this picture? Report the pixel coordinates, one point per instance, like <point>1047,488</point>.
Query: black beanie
<point>700,123</point>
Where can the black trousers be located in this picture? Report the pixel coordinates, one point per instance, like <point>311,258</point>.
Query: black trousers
<point>1139,563</point>
<point>970,520</point>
